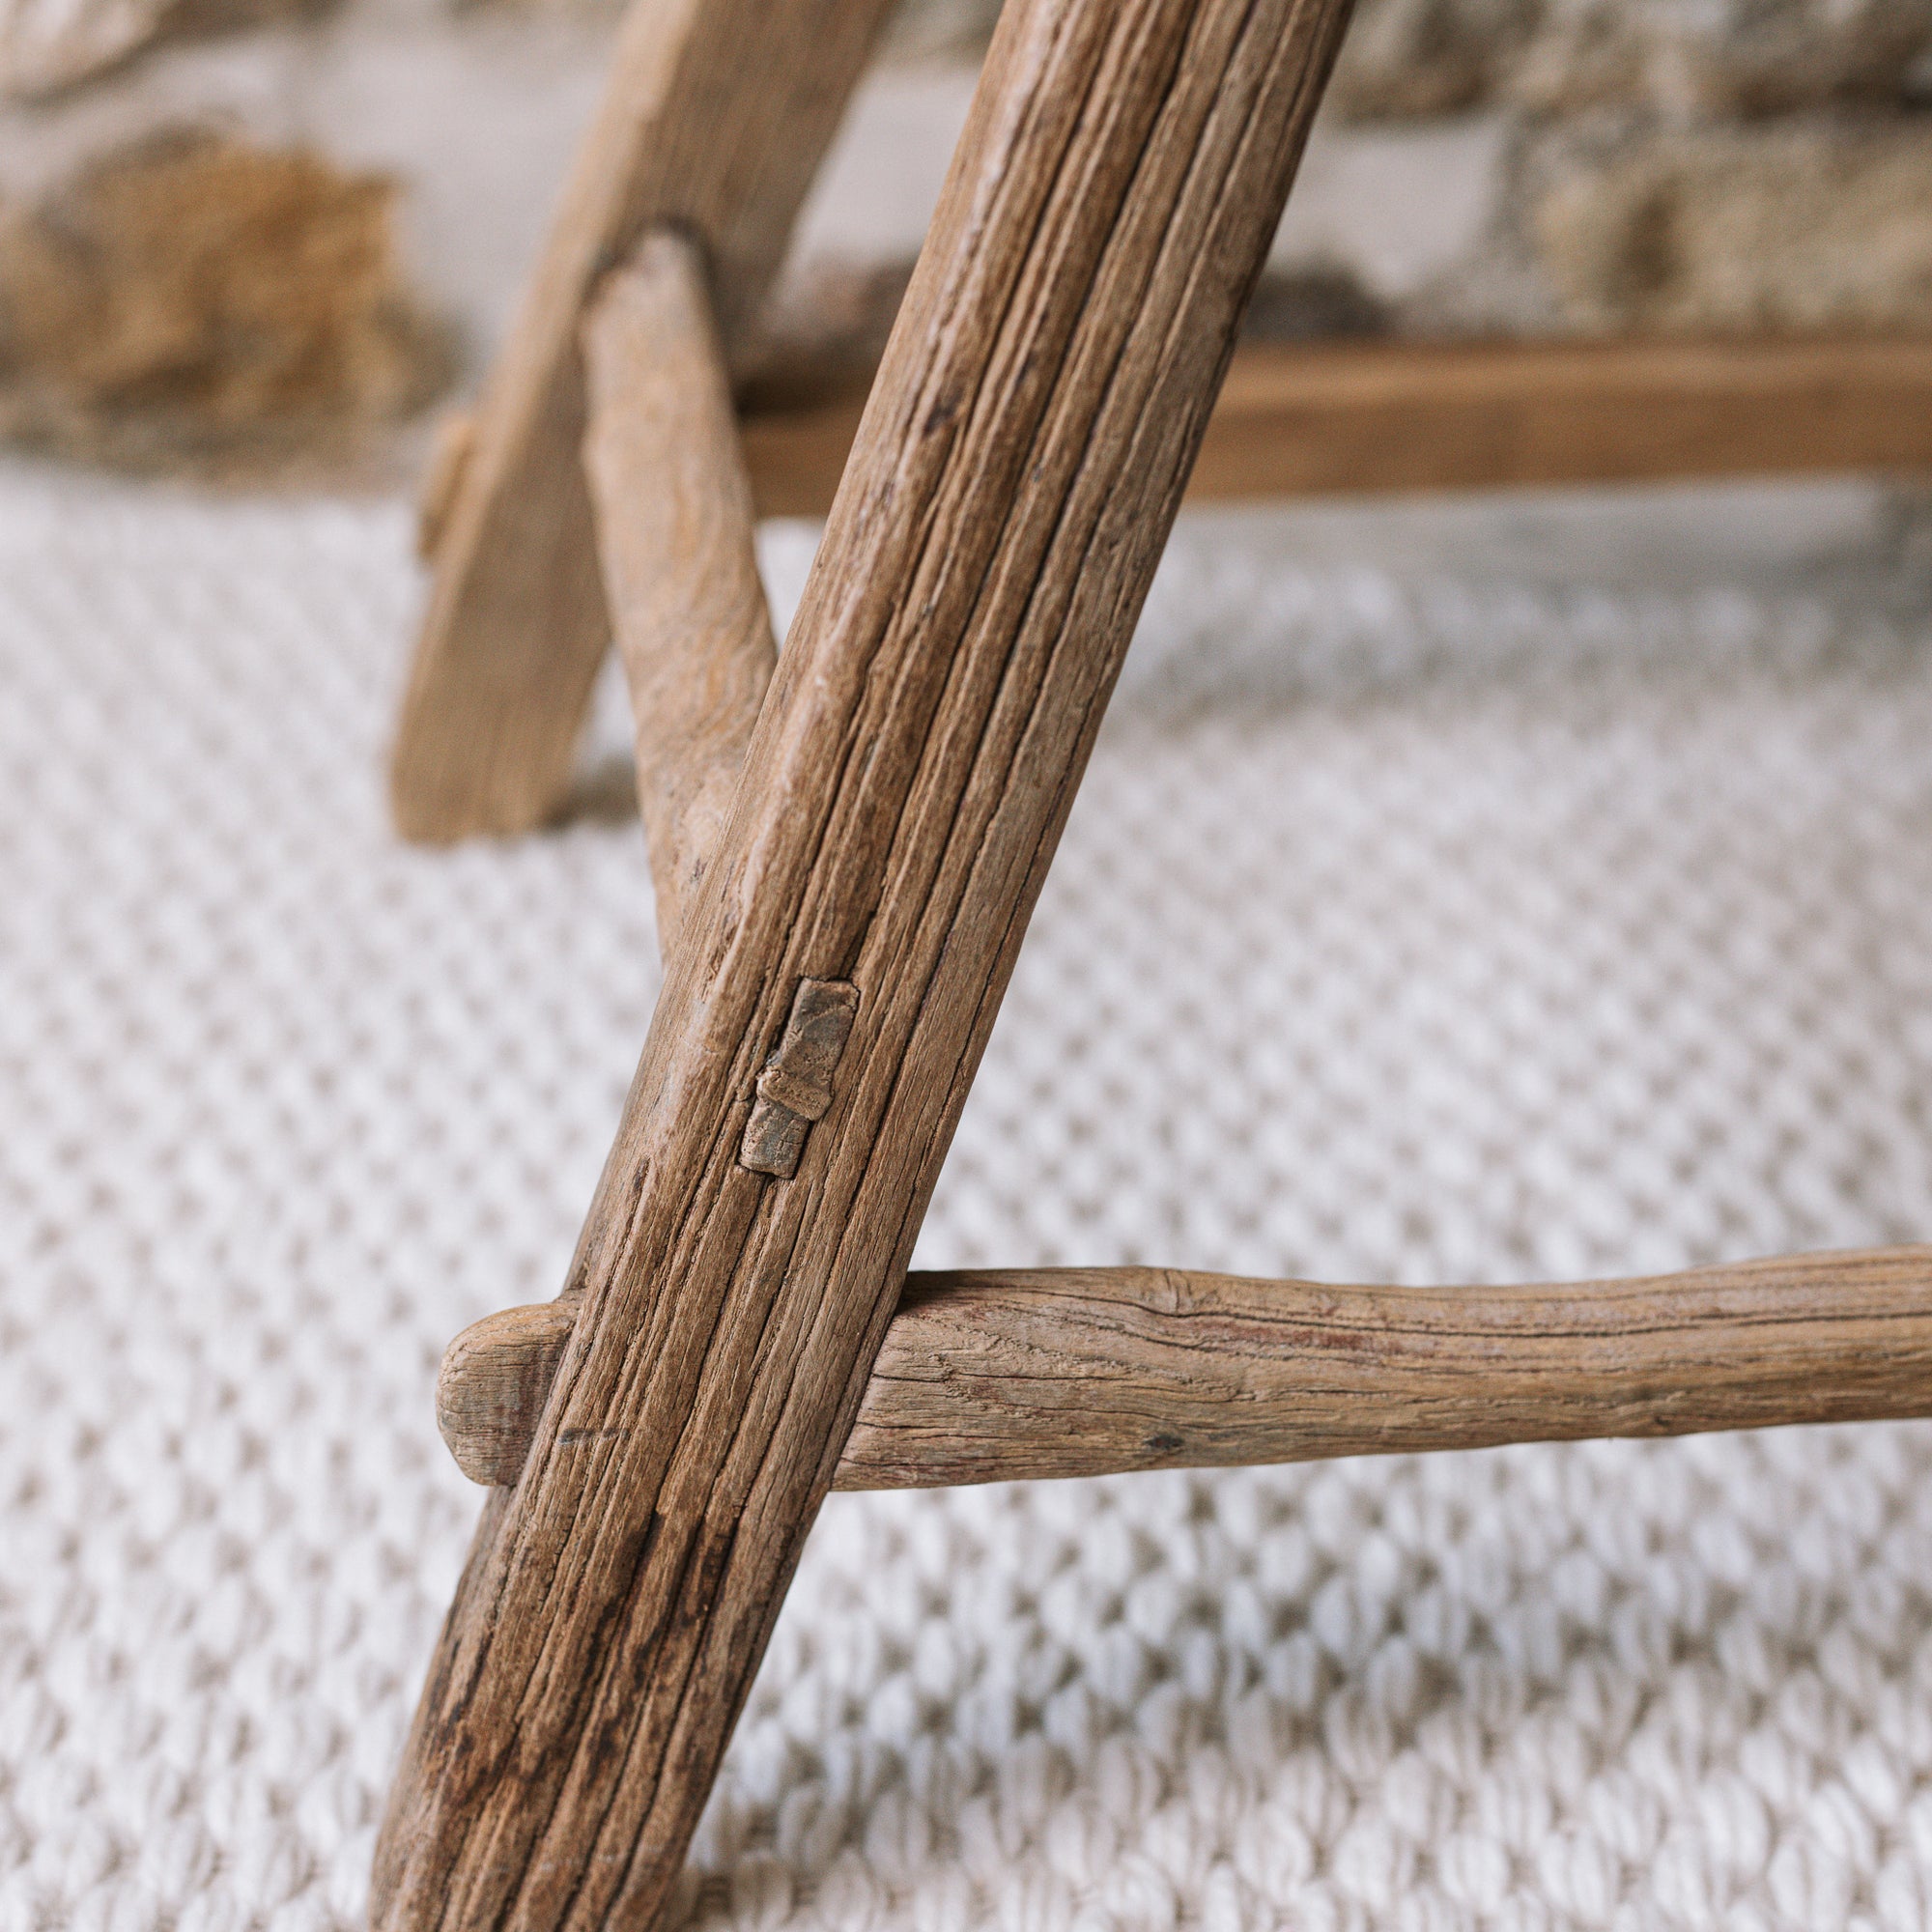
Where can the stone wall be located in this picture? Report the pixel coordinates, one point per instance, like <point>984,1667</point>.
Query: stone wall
<point>251,233</point>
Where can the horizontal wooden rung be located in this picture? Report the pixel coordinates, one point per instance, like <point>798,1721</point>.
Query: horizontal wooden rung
<point>1336,418</point>
<point>996,1375</point>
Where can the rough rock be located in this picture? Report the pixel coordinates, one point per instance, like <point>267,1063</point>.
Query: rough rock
<point>1798,225</point>
<point>940,29</point>
<point>48,46</point>
<point>1411,59</point>
<point>1690,58</point>
<point>191,296</point>
<point>823,333</point>
<point>1313,304</point>
<point>1719,58</point>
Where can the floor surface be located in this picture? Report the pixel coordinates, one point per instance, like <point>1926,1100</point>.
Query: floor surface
<point>1519,891</point>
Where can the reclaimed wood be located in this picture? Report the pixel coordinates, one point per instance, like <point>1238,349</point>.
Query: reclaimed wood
<point>492,1385</point>
<point>675,534</point>
<point>1085,1372</point>
<point>1013,486</point>
<point>1343,418</point>
<point>714,119</point>
<point>453,438</point>
<point>675,537</point>
<point>996,1375</point>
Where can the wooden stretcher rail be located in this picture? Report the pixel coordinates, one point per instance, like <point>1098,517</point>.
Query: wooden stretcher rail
<point>675,539</point>
<point>1086,1372</point>
<point>1320,419</point>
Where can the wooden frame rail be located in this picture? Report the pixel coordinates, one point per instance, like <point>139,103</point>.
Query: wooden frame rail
<point>991,1375</point>
<point>1341,418</point>
<point>675,538</point>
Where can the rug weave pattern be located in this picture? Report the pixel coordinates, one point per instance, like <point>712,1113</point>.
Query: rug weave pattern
<point>1408,928</point>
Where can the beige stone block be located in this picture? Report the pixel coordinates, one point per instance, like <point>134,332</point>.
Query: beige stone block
<point>1718,58</point>
<point>1693,59</point>
<point>51,46</point>
<point>1412,59</point>
<point>191,297</point>
<point>1813,225</point>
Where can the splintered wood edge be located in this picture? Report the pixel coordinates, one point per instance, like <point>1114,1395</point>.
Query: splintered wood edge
<point>996,1375</point>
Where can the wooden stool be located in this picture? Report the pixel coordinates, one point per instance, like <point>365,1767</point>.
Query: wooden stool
<point>846,856</point>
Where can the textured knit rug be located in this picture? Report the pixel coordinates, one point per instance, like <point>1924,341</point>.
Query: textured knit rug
<point>1415,923</point>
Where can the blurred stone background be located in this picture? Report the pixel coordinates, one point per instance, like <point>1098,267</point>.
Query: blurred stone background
<point>262,237</point>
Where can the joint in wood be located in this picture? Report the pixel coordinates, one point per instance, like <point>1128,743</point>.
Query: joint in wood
<point>1031,1373</point>
<point>795,1088</point>
<point>494,1379</point>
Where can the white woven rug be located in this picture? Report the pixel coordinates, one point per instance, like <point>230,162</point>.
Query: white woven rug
<point>1410,927</point>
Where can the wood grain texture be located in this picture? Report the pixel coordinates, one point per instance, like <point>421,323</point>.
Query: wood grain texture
<point>675,537</point>
<point>1085,1372</point>
<point>997,1375</point>
<point>1017,472</point>
<point>713,120</point>
<point>493,1385</point>
<point>1316,419</point>
<point>448,457</point>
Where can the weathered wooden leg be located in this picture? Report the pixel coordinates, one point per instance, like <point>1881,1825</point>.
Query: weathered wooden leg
<point>1013,483</point>
<point>674,531</point>
<point>714,119</point>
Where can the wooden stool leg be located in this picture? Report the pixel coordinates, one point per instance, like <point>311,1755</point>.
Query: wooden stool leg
<point>1012,489</point>
<point>714,119</point>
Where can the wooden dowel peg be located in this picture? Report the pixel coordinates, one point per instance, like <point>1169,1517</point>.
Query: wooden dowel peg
<point>493,1385</point>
